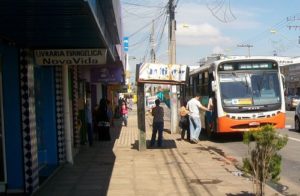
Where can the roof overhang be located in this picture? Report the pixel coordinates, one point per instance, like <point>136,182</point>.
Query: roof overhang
<point>54,24</point>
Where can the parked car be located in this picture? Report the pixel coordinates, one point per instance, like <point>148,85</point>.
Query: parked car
<point>297,118</point>
<point>291,101</point>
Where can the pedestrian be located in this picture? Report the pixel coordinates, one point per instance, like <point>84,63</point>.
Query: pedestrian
<point>210,114</point>
<point>193,106</point>
<point>110,113</point>
<point>184,121</point>
<point>130,103</point>
<point>103,121</point>
<point>95,129</point>
<point>89,121</point>
<point>158,124</point>
<point>124,113</point>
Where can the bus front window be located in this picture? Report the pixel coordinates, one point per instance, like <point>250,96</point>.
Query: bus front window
<point>240,89</point>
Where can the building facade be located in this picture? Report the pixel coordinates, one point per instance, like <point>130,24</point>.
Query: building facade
<point>49,54</point>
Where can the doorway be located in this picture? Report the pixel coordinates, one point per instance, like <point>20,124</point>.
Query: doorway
<point>45,109</point>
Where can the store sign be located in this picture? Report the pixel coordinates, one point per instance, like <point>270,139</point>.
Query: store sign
<point>70,56</point>
<point>162,73</point>
<point>107,75</point>
<point>126,46</point>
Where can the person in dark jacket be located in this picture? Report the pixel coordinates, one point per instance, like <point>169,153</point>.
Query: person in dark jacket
<point>103,123</point>
<point>158,124</point>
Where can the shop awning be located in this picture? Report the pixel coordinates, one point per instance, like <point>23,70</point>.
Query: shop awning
<point>59,24</point>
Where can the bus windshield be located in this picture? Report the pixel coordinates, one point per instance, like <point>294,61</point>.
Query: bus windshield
<point>243,90</point>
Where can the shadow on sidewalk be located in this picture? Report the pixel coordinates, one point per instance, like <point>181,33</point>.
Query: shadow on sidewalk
<point>167,144</point>
<point>243,193</point>
<point>89,175</point>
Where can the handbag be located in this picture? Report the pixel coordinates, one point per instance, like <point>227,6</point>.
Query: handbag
<point>183,122</point>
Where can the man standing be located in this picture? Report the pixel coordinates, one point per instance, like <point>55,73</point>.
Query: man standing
<point>193,106</point>
<point>158,123</point>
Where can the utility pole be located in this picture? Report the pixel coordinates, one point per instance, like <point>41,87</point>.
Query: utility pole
<point>152,53</point>
<point>246,46</point>
<point>172,60</point>
<point>152,41</point>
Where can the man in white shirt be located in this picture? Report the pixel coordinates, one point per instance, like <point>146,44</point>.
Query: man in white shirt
<point>193,106</point>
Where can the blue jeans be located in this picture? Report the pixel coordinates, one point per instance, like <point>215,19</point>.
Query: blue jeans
<point>124,119</point>
<point>195,127</point>
<point>157,127</point>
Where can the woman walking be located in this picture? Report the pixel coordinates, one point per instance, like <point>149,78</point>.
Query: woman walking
<point>124,113</point>
<point>184,121</point>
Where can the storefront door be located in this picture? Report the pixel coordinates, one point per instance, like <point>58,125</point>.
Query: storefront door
<point>45,109</point>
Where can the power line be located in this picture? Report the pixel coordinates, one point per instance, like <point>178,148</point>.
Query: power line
<point>144,15</point>
<point>220,10</point>
<point>159,21</point>
<point>278,26</point>
<point>140,5</point>
<point>147,24</point>
<point>161,34</point>
<point>143,39</point>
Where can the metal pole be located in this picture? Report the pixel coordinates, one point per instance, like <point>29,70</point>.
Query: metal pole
<point>172,60</point>
<point>67,115</point>
<point>141,117</point>
<point>153,57</point>
<point>152,41</point>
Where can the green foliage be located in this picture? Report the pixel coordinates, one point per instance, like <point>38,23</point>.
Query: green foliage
<point>263,161</point>
<point>275,167</point>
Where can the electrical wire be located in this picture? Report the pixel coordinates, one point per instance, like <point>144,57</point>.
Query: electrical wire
<point>140,5</point>
<point>150,15</point>
<point>159,21</point>
<point>220,11</point>
<point>278,26</point>
<point>147,24</point>
<point>161,34</point>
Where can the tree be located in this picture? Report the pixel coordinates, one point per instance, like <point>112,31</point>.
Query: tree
<point>263,161</point>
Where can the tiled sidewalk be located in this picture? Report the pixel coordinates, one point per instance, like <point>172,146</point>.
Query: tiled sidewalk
<point>118,168</point>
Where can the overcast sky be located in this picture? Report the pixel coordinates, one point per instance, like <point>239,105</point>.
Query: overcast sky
<point>213,26</point>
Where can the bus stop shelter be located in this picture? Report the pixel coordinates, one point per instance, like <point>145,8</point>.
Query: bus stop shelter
<point>154,73</point>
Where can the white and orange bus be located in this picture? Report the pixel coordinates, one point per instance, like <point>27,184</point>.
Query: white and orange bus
<point>246,93</point>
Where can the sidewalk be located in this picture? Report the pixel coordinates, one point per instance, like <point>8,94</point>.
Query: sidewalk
<point>118,168</point>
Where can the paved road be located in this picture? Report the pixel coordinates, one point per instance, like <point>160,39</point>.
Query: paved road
<point>232,146</point>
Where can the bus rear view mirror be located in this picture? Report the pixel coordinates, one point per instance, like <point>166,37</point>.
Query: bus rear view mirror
<point>283,81</point>
<point>213,86</point>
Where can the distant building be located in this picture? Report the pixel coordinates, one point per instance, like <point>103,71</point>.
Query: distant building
<point>291,72</point>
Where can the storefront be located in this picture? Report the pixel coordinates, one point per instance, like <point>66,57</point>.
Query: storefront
<point>41,88</point>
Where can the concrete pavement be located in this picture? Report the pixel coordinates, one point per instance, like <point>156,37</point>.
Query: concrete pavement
<point>118,168</point>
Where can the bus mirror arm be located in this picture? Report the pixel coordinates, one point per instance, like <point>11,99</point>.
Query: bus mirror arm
<point>213,86</point>
<point>283,81</point>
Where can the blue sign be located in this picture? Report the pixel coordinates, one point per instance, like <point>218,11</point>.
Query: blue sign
<point>125,42</point>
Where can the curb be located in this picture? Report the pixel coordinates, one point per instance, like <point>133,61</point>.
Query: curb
<point>233,161</point>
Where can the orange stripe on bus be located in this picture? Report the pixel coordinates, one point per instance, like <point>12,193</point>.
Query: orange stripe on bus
<point>226,124</point>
